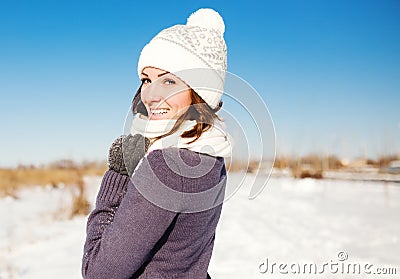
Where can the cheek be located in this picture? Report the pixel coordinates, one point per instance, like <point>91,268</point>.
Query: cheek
<point>182,100</point>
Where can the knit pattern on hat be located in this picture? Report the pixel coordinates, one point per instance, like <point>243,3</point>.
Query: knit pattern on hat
<point>207,44</point>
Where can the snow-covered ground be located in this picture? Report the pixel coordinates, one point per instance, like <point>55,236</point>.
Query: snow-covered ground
<point>292,222</point>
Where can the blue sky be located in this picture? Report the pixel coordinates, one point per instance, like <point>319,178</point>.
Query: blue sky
<point>329,72</point>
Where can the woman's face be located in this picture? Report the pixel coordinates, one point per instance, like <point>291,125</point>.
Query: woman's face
<point>163,94</point>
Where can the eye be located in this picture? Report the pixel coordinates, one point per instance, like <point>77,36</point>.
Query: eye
<point>145,81</point>
<point>169,81</point>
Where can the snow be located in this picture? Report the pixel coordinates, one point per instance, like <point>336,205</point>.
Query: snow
<point>291,221</point>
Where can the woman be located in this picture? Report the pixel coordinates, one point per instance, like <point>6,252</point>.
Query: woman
<point>160,201</point>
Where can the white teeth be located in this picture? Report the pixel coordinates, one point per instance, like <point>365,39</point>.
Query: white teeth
<point>159,111</point>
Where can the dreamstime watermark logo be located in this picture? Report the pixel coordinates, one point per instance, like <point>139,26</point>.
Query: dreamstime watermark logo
<point>249,132</point>
<point>338,266</point>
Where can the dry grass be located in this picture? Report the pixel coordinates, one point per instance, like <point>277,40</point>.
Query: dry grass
<point>59,173</point>
<point>384,161</point>
<point>312,166</point>
<point>55,174</point>
<point>315,165</point>
<point>235,166</point>
<point>250,166</point>
<point>80,204</point>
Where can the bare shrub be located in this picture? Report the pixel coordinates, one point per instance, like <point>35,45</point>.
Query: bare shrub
<point>252,167</point>
<point>384,161</point>
<point>311,174</point>
<point>80,204</point>
<point>310,166</point>
<point>332,163</point>
<point>282,162</point>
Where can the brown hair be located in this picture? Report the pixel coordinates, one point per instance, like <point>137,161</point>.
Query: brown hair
<point>199,111</point>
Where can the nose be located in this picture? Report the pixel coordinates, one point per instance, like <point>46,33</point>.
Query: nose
<point>150,95</point>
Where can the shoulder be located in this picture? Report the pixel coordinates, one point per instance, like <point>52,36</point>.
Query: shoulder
<point>184,162</point>
<point>187,156</point>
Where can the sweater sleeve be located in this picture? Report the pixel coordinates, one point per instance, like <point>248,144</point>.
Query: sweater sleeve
<point>124,228</point>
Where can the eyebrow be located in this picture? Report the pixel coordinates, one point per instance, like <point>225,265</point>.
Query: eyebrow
<point>160,75</point>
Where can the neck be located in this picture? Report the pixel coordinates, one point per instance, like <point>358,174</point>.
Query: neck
<point>214,141</point>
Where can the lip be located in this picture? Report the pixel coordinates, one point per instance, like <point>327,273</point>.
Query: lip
<point>156,108</point>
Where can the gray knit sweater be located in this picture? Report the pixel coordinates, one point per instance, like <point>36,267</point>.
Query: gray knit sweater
<point>129,236</point>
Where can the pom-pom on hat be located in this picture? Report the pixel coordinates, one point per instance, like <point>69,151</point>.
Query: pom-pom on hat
<point>195,52</point>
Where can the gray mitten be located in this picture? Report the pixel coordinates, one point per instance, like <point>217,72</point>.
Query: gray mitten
<point>126,152</point>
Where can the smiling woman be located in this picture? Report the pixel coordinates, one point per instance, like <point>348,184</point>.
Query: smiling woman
<point>160,201</point>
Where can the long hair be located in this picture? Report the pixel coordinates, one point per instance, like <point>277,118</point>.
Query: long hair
<point>199,110</point>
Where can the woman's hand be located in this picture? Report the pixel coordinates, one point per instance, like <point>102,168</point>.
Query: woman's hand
<point>126,152</point>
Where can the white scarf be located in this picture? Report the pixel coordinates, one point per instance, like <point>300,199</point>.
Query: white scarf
<point>215,141</point>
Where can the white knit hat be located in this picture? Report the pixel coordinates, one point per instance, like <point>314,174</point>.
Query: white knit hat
<point>195,52</point>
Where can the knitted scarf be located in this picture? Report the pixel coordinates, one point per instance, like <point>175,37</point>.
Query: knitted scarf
<point>214,141</point>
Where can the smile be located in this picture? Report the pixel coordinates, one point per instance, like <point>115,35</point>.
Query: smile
<point>159,111</point>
